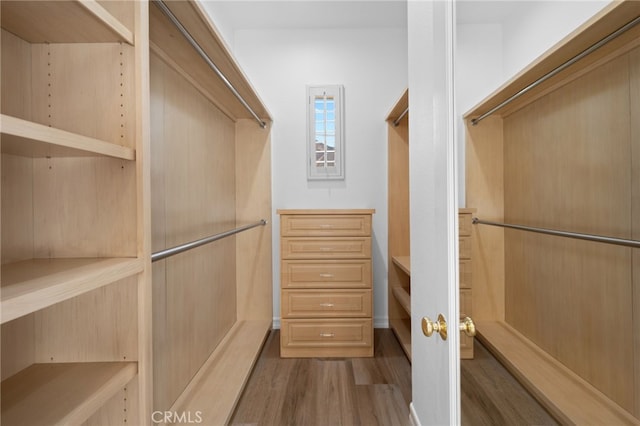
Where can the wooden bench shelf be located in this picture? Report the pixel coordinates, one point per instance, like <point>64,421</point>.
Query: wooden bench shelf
<point>230,364</point>
<point>30,285</point>
<point>69,393</point>
<point>71,21</point>
<point>567,396</point>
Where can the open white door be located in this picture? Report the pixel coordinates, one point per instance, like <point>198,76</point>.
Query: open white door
<point>433,210</point>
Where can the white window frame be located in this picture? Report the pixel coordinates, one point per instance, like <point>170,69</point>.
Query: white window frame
<point>327,172</point>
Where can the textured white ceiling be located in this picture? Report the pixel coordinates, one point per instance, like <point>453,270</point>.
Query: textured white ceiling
<point>270,14</point>
<point>290,14</point>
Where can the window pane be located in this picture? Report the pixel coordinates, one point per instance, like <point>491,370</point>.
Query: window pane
<point>324,119</point>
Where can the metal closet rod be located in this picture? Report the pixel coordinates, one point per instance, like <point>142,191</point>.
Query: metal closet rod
<point>397,120</point>
<point>560,68</point>
<point>163,254</point>
<point>207,59</point>
<point>589,237</point>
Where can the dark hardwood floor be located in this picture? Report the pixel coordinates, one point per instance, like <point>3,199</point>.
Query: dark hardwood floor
<point>372,391</point>
<point>490,395</point>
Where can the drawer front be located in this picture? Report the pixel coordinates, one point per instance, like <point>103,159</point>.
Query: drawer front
<point>465,273</point>
<point>325,274</point>
<point>464,245</point>
<point>326,248</point>
<point>326,303</point>
<point>339,333</point>
<point>466,342</point>
<point>325,225</point>
<point>464,224</point>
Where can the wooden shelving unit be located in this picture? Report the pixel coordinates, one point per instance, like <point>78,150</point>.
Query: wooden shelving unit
<point>74,214</point>
<point>399,281</point>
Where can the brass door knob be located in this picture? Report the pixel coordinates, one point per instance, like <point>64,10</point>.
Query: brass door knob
<point>439,326</point>
<point>468,326</point>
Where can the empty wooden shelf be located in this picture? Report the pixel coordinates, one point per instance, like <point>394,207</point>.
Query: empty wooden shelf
<point>48,394</point>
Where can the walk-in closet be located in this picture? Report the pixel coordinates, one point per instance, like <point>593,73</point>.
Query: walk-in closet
<point>319,212</point>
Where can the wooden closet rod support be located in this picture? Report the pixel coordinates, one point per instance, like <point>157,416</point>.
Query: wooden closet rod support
<point>163,254</point>
<point>163,7</point>
<point>589,237</point>
<point>560,68</point>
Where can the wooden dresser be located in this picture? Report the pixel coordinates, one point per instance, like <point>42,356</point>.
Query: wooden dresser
<point>326,281</point>
<point>465,231</point>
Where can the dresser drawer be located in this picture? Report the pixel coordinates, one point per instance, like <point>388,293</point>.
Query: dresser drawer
<point>466,342</point>
<point>326,303</point>
<point>326,337</point>
<point>325,274</point>
<point>325,225</point>
<point>466,273</point>
<point>464,224</point>
<point>464,247</point>
<point>326,248</point>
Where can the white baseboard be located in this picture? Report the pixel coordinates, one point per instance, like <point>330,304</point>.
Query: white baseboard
<point>381,322</point>
<point>413,416</point>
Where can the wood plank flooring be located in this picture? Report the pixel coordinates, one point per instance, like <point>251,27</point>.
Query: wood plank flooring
<point>372,391</point>
<point>490,395</point>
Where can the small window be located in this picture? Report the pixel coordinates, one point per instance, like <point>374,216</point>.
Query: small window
<point>325,139</point>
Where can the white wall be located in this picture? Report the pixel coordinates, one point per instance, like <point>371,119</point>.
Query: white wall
<point>372,66</point>
<point>478,69</point>
<point>538,25</point>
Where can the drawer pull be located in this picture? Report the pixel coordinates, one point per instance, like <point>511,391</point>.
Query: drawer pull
<point>325,225</point>
<point>326,248</point>
<point>327,305</point>
<point>327,335</point>
<point>326,275</point>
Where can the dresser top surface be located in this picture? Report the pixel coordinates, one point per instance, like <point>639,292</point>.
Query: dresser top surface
<point>325,211</point>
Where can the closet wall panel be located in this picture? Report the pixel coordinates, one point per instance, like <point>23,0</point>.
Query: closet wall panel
<point>568,166</point>
<point>253,201</point>
<point>65,74</point>
<point>485,177</point>
<point>97,326</point>
<point>634,69</point>
<point>18,345</point>
<point>193,196</point>
<point>17,177</point>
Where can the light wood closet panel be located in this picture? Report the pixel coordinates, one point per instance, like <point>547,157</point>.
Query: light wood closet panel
<point>74,214</point>
<point>210,173</point>
<point>398,216</point>
<point>634,107</point>
<point>567,166</point>
<point>562,313</point>
<point>193,190</point>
